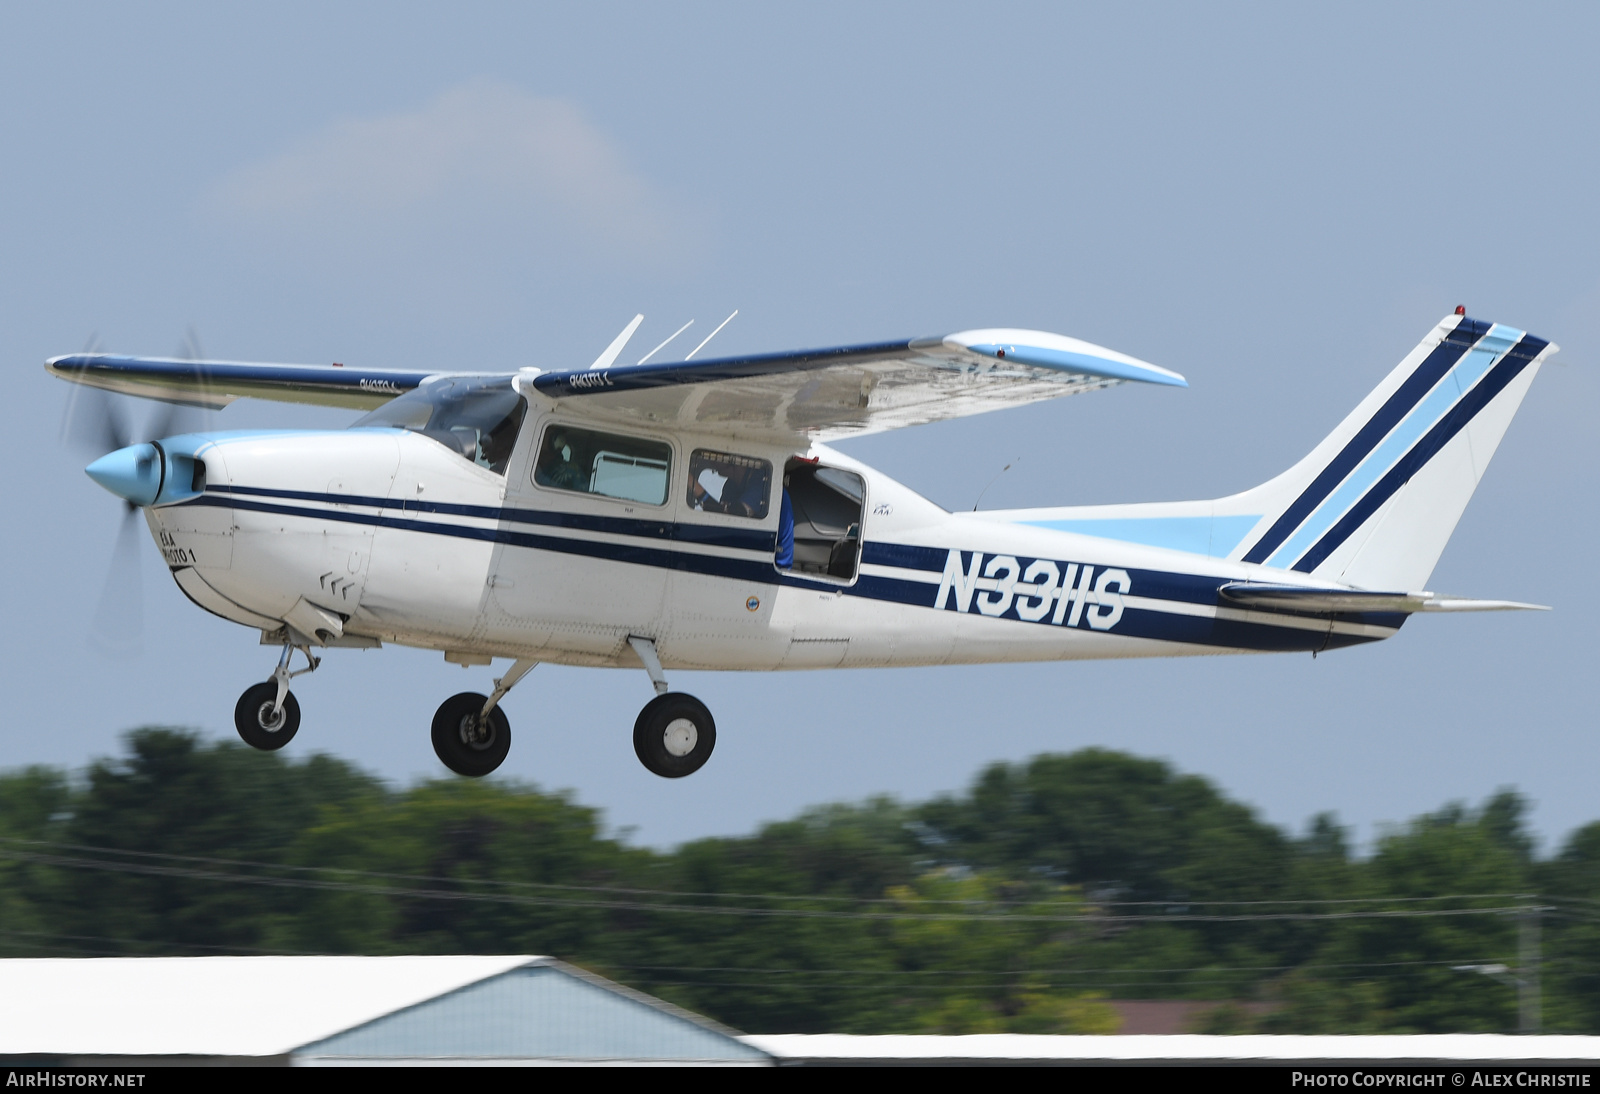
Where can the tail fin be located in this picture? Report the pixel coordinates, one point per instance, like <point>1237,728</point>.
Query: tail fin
<point>1374,504</point>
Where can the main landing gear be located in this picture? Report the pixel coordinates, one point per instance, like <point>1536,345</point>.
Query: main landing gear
<point>674,733</point>
<point>267,715</point>
<point>471,734</point>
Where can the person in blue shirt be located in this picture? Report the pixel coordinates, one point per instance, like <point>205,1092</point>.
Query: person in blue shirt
<point>785,555</point>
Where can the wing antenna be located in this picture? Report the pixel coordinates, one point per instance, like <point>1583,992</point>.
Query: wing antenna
<point>615,348</point>
<point>663,345</point>
<point>713,334</point>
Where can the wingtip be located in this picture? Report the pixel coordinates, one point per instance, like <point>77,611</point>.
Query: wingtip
<point>1043,349</point>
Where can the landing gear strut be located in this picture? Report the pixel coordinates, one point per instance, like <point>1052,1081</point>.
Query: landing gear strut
<point>471,734</point>
<point>267,715</point>
<point>674,733</point>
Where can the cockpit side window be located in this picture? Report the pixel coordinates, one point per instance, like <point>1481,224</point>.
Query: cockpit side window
<point>477,419</point>
<point>613,466</point>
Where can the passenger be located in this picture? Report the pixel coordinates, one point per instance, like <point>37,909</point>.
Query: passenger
<point>706,491</point>
<point>557,468</point>
<point>752,496</point>
<point>785,555</point>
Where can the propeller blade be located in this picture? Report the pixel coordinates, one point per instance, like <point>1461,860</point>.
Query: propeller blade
<point>173,418</point>
<point>118,625</point>
<point>93,423</point>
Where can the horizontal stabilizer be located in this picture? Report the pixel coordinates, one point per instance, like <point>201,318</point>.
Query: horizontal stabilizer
<point>1297,598</point>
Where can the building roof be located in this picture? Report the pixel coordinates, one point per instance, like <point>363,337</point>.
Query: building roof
<point>315,1009</point>
<point>838,1048</point>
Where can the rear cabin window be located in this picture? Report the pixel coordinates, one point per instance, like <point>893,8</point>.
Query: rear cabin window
<point>612,466</point>
<point>726,482</point>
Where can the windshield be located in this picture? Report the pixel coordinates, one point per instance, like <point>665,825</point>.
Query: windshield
<point>476,418</point>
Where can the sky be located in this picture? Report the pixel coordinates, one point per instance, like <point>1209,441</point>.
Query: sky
<point>1277,201</point>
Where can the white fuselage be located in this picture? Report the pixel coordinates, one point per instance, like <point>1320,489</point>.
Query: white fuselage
<point>391,536</point>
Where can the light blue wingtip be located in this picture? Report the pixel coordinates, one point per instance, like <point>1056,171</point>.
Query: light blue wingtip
<point>1068,361</point>
<point>132,473</point>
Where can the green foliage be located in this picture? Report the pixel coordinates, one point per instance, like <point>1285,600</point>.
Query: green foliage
<point>1572,941</point>
<point>1023,905</point>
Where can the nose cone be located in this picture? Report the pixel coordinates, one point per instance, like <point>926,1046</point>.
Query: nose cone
<point>133,473</point>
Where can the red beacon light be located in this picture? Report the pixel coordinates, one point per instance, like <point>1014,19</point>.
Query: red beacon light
<point>1461,309</point>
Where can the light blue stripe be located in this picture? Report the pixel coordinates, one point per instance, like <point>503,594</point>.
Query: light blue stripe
<point>1213,536</point>
<point>1067,361</point>
<point>1456,383</point>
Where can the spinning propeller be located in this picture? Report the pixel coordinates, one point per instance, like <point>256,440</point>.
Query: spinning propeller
<point>96,424</point>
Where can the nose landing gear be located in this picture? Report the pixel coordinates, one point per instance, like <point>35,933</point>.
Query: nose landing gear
<point>267,715</point>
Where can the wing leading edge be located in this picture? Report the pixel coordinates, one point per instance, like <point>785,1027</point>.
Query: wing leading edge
<point>215,384</point>
<point>848,391</point>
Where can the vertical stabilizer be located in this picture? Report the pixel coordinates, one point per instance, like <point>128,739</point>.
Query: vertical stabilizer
<point>1374,504</point>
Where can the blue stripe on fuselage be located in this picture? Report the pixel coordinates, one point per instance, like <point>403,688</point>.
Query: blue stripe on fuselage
<point>741,539</point>
<point>1136,622</point>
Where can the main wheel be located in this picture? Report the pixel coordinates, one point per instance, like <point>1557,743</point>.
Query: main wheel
<point>258,725</point>
<point>467,742</point>
<point>674,735</point>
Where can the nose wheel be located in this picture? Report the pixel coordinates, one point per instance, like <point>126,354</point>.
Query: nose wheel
<point>674,735</point>
<point>267,716</point>
<point>262,721</point>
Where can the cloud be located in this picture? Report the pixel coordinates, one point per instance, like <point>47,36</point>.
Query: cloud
<point>484,158</point>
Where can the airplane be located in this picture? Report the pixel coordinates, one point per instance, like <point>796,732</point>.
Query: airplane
<point>692,515</point>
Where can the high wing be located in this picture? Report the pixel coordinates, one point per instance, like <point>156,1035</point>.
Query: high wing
<point>825,393</point>
<point>852,390</point>
<point>215,384</point>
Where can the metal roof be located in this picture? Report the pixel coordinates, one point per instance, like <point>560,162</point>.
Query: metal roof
<point>373,1008</point>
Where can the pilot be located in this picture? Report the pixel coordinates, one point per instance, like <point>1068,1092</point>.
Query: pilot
<point>706,491</point>
<point>557,468</point>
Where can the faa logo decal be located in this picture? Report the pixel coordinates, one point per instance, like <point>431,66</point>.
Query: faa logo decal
<point>1035,590</point>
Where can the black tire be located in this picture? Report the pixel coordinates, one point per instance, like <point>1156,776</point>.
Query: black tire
<point>467,743</point>
<point>252,717</point>
<point>674,735</point>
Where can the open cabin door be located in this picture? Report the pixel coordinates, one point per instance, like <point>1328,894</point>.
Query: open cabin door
<point>828,504</point>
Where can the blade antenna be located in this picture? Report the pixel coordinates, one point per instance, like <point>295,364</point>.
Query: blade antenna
<point>615,348</point>
<point>712,335</point>
<point>663,345</point>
